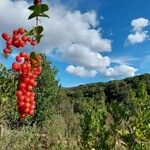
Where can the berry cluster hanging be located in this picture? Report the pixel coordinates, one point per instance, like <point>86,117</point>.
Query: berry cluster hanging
<point>27,66</point>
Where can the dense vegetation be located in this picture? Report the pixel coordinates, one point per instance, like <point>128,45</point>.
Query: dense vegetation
<point>100,116</point>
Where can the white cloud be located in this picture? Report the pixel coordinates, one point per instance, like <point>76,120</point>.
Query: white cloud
<point>139,23</point>
<point>81,71</point>
<point>124,60</point>
<point>72,36</point>
<point>119,71</point>
<point>138,35</point>
<point>84,56</point>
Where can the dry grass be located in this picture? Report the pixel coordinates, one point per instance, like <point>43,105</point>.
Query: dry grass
<point>26,138</point>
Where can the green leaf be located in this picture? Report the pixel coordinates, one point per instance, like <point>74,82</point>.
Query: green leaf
<point>38,38</point>
<point>36,31</point>
<point>32,7</point>
<point>33,55</point>
<point>32,16</point>
<point>37,11</point>
<point>39,29</point>
<point>44,7</point>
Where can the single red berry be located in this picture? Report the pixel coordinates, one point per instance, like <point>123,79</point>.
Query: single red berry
<point>31,112</point>
<point>22,116</point>
<point>15,32</point>
<point>15,37</point>
<point>30,88</point>
<point>22,86</point>
<point>15,67</point>
<point>28,94</point>
<point>25,38</point>
<point>32,82</point>
<point>19,93</point>
<point>27,110</point>
<point>21,98</point>
<point>29,39</point>
<point>15,43</point>
<point>23,54</point>
<point>32,107</point>
<point>32,102</point>
<point>24,66</point>
<point>6,36</point>
<point>18,59</point>
<point>6,51</point>
<point>21,43</point>
<point>33,43</point>
<point>9,42</point>
<point>21,30</point>
<point>9,46</point>
<point>27,99</point>
<point>21,103</point>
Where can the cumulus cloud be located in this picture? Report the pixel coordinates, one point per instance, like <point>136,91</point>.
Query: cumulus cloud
<point>81,71</point>
<point>84,56</point>
<point>138,35</point>
<point>70,35</point>
<point>139,23</point>
<point>119,71</point>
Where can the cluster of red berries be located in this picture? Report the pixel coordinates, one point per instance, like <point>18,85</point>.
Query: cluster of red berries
<point>27,76</point>
<point>19,39</point>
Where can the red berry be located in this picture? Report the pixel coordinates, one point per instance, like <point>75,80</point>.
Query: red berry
<point>29,39</point>
<point>21,30</point>
<point>31,112</point>
<point>9,46</point>
<point>32,107</point>
<point>15,67</point>
<point>15,32</point>
<point>23,54</point>
<point>20,103</point>
<point>33,43</point>
<point>27,110</point>
<point>23,67</point>
<point>15,37</point>
<point>19,93</point>
<point>6,51</point>
<point>30,88</point>
<point>6,36</point>
<point>23,116</point>
<point>21,98</point>
<point>27,99</point>
<point>27,105</point>
<point>22,86</point>
<point>21,43</point>
<point>25,38</point>
<point>18,59</point>
<point>15,43</point>
<point>9,42</point>
<point>32,82</point>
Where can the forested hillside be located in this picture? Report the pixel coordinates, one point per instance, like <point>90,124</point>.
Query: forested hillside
<point>119,90</point>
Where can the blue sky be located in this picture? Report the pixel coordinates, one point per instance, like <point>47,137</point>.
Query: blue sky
<point>120,31</point>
